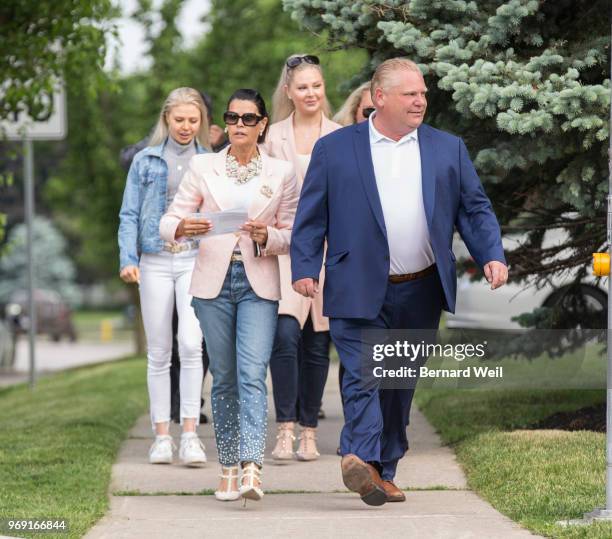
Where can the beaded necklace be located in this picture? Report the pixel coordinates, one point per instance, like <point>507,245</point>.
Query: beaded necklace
<point>242,173</point>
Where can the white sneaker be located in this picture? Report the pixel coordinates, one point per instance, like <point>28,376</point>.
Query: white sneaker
<point>192,450</point>
<point>161,450</point>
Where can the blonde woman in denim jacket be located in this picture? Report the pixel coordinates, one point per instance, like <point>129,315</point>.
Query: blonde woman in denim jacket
<point>163,269</point>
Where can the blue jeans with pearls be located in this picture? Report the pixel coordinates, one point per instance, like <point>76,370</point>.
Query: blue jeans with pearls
<point>239,329</point>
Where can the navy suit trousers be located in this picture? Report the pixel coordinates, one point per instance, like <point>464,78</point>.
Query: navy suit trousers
<point>375,418</point>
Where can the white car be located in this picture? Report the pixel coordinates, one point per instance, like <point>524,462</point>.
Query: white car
<point>480,307</point>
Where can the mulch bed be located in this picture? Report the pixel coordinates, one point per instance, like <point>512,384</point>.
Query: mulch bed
<point>589,418</point>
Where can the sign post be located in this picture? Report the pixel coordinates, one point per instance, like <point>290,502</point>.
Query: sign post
<point>28,179</point>
<point>26,129</point>
<point>605,513</point>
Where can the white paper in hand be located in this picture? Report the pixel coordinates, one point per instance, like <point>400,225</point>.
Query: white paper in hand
<point>224,222</point>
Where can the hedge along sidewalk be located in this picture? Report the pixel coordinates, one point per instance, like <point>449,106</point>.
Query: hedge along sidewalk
<point>58,442</point>
<point>536,477</point>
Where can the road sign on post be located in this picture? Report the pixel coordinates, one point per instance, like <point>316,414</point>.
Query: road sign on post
<point>26,129</point>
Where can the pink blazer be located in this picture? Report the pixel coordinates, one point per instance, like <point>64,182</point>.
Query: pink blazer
<point>280,143</point>
<point>205,188</point>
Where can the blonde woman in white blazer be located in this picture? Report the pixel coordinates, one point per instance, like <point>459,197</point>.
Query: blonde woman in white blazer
<point>300,358</point>
<point>235,283</point>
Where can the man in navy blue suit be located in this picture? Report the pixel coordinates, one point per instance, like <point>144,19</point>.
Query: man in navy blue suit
<point>387,195</point>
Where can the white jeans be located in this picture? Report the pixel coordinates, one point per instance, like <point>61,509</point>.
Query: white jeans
<point>164,278</point>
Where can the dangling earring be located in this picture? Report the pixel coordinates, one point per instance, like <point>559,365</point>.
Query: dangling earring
<point>225,130</point>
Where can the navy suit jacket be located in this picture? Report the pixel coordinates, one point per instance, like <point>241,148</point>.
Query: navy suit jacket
<point>340,203</point>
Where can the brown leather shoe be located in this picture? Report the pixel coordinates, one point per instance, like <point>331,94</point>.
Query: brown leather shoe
<point>361,477</point>
<point>394,494</point>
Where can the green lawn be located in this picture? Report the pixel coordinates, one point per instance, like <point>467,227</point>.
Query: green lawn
<point>535,477</point>
<point>58,442</point>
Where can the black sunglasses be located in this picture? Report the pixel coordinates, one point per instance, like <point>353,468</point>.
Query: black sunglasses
<point>295,61</point>
<point>366,111</point>
<point>249,119</point>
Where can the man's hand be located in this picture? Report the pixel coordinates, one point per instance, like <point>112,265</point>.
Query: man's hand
<point>496,273</point>
<point>130,274</point>
<point>306,287</point>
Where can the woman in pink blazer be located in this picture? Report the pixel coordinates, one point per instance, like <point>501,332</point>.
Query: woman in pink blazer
<point>235,283</point>
<point>300,358</point>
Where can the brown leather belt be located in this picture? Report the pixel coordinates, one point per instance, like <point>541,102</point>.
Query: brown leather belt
<point>412,276</point>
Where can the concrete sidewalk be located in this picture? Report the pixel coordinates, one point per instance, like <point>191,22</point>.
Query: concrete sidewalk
<point>303,499</point>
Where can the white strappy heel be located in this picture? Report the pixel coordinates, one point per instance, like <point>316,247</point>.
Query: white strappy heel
<point>229,473</point>
<point>248,489</point>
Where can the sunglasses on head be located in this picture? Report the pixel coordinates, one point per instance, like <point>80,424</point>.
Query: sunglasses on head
<point>366,111</point>
<point>295,61</point>
<point>249,119</point>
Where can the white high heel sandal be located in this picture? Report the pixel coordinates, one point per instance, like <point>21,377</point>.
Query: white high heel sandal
<point>248,489</point>
<point>229,473</point>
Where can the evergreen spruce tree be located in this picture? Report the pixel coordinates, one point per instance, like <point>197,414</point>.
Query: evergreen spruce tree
<point>526,84</point>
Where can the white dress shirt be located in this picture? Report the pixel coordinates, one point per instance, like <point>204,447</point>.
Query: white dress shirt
<point>397,167</point>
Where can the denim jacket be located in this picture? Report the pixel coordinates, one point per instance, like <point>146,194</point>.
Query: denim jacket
<point>144,203</point>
